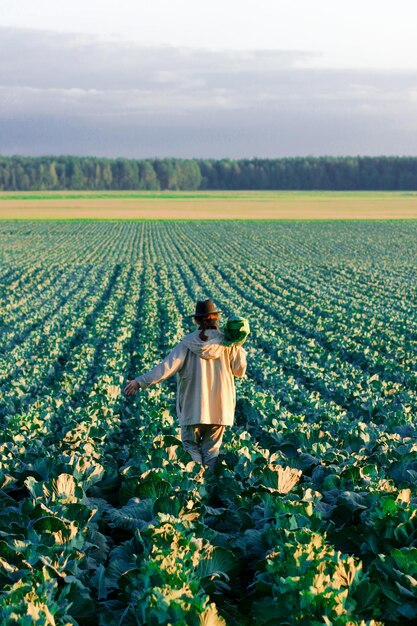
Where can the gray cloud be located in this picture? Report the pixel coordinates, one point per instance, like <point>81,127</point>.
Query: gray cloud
<point>81,95</point>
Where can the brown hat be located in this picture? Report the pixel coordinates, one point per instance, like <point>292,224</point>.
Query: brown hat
<point>203,308</point>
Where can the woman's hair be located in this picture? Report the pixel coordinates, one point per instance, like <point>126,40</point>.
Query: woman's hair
<point>205,322</point>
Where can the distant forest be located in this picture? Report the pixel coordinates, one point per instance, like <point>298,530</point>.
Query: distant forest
<point>309,173</point>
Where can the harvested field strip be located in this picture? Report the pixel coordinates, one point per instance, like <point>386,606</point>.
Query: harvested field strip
<point>209,205</point>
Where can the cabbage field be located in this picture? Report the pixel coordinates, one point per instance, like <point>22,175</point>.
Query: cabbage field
<point>310,517</point>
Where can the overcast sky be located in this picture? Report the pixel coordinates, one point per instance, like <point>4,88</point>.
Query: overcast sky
<point>230,78</point>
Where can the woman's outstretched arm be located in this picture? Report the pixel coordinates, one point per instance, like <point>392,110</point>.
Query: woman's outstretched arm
<point>167,368</point>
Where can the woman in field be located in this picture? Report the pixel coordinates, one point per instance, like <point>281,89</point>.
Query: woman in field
<point>206,397</point>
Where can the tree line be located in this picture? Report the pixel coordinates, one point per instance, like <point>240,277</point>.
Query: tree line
<point>298,173</point>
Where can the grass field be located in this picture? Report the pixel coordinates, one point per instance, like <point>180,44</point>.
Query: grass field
<point>209,205</point>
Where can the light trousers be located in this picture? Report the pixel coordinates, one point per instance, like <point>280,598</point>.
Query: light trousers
<point>202,442</point>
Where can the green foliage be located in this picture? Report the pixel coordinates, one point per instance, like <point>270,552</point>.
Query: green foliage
<point>314,173</point>
<point>310,516</point>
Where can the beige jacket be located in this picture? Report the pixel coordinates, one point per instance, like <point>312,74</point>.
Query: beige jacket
<point>205,370</point>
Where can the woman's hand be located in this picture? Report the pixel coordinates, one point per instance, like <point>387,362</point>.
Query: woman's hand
<point>131,387</point>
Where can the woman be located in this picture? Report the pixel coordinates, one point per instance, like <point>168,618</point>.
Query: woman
<point>206,396</point>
